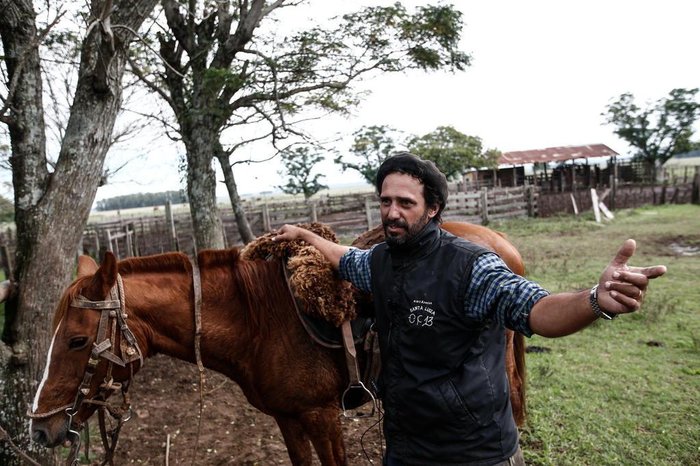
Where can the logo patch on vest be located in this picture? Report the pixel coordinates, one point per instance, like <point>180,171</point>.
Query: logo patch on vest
<point>421,313</point>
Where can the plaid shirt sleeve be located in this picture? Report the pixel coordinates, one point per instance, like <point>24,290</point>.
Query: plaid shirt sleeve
<point>496,292</point>
<point>354,267</point>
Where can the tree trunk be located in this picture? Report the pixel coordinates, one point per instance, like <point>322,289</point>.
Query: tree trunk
<point>27,138</point>
<point>241,221</point>
<point>201,186</point>
<point>51,210</point>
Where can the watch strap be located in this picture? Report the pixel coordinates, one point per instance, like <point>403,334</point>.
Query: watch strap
<point>593,299</point>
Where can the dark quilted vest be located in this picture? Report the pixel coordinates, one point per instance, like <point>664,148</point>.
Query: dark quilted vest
<point>443,382</point>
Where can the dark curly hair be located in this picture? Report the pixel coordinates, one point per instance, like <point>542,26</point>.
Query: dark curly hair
<point>433,180</point>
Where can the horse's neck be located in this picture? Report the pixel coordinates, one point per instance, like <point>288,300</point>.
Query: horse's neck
<point>161,311</point>
<point>233,318</point>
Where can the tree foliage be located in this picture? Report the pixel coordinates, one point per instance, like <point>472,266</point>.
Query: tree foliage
<point>230,80</point>
<point>660,129</point>
<point>299,164</point>
<point>130,201</point>
<point>371,146</point>
<point>452,151</point>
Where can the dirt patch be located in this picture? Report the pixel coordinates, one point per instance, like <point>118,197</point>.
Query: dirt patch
<point>677,245</point>
<point>165,399</point>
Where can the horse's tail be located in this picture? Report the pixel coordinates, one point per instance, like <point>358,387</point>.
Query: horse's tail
<point>520,411</point>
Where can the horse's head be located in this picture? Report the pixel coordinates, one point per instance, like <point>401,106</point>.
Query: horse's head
<point>91,355</point>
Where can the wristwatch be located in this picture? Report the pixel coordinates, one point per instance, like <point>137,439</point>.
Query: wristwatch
<point>593,298</point>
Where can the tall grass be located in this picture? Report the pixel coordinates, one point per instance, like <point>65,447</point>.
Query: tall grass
<point>626,391</point>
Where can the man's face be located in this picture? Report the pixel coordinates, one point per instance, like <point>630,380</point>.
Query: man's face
<point>403,208</point>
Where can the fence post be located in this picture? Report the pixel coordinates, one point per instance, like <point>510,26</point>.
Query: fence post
<point>484,204</point>
<point>695,196</point>
<point>170,220</point>
<point>265,218</point>
<point>314,213</point>
<point>530,200</point>
<point>368,213</point>
<point>127,240</point>
<point>97,244</point>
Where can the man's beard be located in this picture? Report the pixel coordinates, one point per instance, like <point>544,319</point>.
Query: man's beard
<point>411,230</point>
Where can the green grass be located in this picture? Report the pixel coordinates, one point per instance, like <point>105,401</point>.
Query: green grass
<point>621,392</point>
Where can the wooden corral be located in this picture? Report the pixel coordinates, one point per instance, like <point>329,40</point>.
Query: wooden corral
<point>348,215</point>
<point>626,197</point>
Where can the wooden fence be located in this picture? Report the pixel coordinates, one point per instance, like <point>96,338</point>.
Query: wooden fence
<point>348,215</point>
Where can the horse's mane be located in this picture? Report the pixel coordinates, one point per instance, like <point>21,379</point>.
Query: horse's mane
<point>169,262</point>
<point>163,262</point>
<point>259,282</point>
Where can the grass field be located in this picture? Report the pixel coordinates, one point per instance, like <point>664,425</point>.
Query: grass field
<point>626,391</point>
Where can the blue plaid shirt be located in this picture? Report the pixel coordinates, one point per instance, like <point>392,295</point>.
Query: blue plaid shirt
<point>494,291</point>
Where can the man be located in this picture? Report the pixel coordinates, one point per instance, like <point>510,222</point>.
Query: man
<point>441,305</point>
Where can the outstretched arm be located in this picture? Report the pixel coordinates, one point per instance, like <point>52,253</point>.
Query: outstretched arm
<point>332,251</point>
<point>621,290</point>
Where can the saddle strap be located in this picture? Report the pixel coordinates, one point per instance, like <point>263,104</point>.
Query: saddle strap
<point>350,353</point>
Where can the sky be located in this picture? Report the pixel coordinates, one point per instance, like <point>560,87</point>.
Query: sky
<point>542,74</point>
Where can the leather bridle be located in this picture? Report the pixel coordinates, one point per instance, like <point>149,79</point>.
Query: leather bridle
<point>113,319</point>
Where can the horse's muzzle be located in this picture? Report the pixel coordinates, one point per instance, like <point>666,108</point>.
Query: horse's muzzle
<point>49,433</point>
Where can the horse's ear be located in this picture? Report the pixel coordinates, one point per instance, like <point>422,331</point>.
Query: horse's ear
<point>86,266</point>
<point>104,279</point>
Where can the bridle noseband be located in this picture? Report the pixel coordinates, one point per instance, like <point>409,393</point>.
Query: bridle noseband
<point>112,310</point>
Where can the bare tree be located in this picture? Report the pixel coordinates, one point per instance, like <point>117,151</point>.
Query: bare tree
<point>52,201</point>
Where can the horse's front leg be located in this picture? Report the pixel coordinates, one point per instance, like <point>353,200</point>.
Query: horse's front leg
<point>322,425</point>
<point>296,440</point>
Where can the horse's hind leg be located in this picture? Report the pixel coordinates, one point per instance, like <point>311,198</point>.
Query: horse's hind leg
<point>296,440</point>
<point>323,427</point>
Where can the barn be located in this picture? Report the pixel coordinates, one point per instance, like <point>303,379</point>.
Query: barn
<point>553,169</point>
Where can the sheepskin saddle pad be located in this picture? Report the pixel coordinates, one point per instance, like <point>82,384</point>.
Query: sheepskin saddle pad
<point>316,285</point>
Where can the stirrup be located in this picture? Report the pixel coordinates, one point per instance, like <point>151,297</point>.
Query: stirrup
<point>353,386</point>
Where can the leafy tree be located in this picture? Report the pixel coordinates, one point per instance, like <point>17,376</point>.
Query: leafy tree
<point>659,130</point>
<point>52,199</point>
<point>371,146</point>
<point>452,151</point>
<point>229,80</point>
<point>299,164</point>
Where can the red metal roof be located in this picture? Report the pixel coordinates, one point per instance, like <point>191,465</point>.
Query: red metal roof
<point>556,154</point>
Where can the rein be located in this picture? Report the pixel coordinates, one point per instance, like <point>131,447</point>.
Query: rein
<point>197,289</point>
<point>112,310</point>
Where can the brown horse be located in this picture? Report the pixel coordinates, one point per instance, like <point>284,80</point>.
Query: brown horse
<point>249,332</point>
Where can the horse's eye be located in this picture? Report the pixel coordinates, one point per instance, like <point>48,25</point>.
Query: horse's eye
<point>77,343</point>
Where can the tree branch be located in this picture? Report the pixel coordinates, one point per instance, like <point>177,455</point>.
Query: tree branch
<point>16,71</point>
<point>151,85</point>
